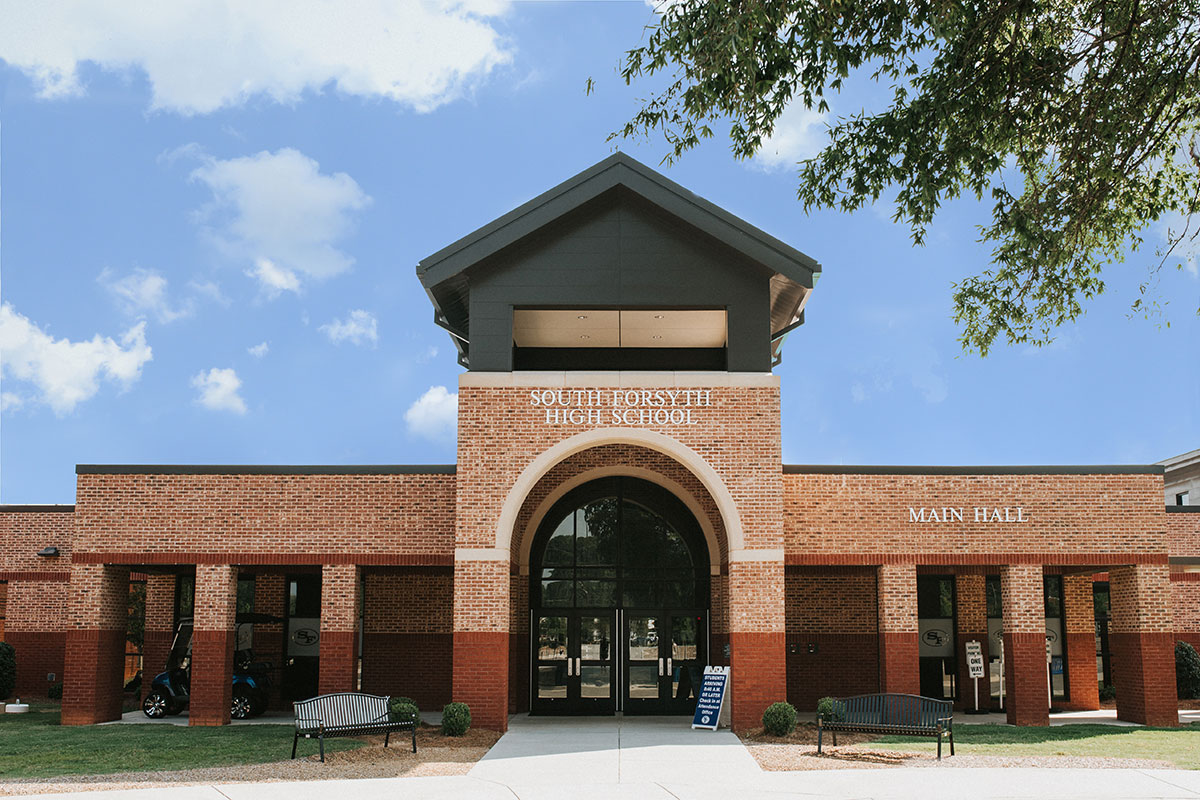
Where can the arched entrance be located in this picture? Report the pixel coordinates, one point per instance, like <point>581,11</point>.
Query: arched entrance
<point>619,600</point>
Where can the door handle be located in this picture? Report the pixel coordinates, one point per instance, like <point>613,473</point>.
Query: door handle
<point>570,663</point>
<point>670,671</point>
<point>578,667</point>
<point>660,668</point>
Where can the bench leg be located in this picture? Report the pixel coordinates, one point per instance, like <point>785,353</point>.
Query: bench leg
<point>295,740</point>
<point>820,733</point>
<point>834,738</point>
<point>386,738</point>
<point>414,738</point>
<point>939,735</point>
<point>951,742</point>
<point>321,739</point>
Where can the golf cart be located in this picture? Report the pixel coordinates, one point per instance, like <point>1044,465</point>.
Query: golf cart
<point>170,690</point>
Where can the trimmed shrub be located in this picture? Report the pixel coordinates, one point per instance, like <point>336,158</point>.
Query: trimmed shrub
<point>1107,692</point>
<point>8,670</point>
<point>456,719</point>
<point>402,709</point>
<point>779,719</point>
<point>55,691</point>
<point>825,708</point>
<point>1187,670</point>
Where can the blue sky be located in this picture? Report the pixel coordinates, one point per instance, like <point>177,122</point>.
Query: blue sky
<point>210,220</point>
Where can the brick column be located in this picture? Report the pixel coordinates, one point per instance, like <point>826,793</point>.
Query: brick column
<point>95,644</point>
<point>481,609</point>
<point>970,601</point>
<point>1143,644</point>
<point>1083,689</point>
<point>757,635</point>
<point>1026,698</point>
<point>339,618</point>
<point>899,658</point>
<point>213,640</point>
<point>159,630</point>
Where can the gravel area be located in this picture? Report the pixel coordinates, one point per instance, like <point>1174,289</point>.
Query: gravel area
<point>788,757</point>
<point>436,755</point>
<point>854,751</point>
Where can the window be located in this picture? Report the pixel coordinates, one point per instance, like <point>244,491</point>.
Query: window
<point>1181,499</point>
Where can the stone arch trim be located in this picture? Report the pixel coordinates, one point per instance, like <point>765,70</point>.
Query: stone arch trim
<point>569,473</point>
<point>507,525</point>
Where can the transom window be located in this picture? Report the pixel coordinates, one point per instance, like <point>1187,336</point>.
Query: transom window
<point>620,542</point>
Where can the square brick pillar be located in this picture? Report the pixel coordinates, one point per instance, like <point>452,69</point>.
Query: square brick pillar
<point>1083,687</point>
<point>159,630</point>
<point>213,640</point>
<point>970,593</point>
<point>94,663</point>
<point>1143,644</point>
<point>481,636</point>
<point>899,658</point>
<point>1026,691</point>
<point>757,635</point>
<point>339,623</point>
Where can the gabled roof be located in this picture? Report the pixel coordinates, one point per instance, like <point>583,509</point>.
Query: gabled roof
<point>443,273</point>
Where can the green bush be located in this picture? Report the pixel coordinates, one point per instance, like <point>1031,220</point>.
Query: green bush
<point>825,709</point>
<point>8,669</point>
<point>779,719</point>
<point>55,691</point>
<point>402,709</point>
<point>1107,692</point>
<point>1187,670</point>
<point>456,719</point>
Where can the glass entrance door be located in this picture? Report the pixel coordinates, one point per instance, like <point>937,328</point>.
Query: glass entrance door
<point>574,663</point>
<point>664,659</point>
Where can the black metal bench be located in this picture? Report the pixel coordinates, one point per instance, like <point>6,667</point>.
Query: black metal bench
<point>347,714</point>
<point>896,714</point>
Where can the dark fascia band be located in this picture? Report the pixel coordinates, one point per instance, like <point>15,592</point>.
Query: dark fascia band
<point>252,469</point>
<point>1183,509</point>
<point>835,469</point>
<point>68,508</point>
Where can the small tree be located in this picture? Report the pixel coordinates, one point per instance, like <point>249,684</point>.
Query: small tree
<point>1187,670</point>
<point>779,719</point>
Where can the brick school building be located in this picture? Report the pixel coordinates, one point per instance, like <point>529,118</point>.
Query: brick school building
<point>619,517</point>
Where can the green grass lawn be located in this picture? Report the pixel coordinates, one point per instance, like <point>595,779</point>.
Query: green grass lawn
<point>1180,746</point>
<point>34,745</point>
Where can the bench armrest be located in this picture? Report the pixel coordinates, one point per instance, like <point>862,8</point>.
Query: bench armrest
<point>949,722</point>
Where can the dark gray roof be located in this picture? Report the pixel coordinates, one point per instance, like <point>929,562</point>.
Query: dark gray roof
<point>443,273</point>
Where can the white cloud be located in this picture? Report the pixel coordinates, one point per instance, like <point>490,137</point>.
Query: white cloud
<point>11,401</point>
<point>66,373</point>
<point>259,350</point>
<point>360,327</point>
<point>434,415</point>
<point>144,292</point>
<point>280,212</point>
<point>273,280</point>
<point>799,134</point>
<point>200,55</point>
<point>219,390</point>
<point>211,290</point>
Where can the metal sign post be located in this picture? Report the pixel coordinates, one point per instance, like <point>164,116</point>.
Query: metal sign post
<point>975,665</point>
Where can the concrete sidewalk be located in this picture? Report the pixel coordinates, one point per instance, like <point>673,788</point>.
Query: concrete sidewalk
<point>884,784</point>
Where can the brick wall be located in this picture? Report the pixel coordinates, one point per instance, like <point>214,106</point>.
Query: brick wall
<point>1080,646</point>
<point>1185,594</point>
<point>265,518</point>
<point>1183,533</point>
<point>833,610</point>
<point>408,642</point>
<point>864,518</point>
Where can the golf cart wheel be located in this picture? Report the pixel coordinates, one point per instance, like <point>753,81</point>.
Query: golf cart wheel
<point>243,704</point>
<point>156,705</point>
